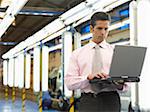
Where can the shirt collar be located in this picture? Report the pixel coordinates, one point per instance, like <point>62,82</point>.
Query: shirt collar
<point>103,44</point>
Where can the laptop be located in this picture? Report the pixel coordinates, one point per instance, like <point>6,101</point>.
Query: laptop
<point>127,62</point>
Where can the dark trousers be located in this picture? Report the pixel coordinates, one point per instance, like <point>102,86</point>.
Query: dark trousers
<point>103,102</point>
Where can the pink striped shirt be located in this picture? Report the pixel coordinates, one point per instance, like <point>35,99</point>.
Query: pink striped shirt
<point>80,65</point>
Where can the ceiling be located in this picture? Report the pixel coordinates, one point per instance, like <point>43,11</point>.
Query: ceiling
<point>34,16</point>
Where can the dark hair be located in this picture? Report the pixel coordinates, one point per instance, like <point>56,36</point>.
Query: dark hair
<point>99,16</point>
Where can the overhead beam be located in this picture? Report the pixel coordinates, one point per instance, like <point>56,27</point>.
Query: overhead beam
<point>43,8</point>
<point>7,43</point>
<point>38,11</point>
<point>41,11</point>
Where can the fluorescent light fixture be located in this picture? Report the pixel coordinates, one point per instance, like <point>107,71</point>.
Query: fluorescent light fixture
<point>113,4</point>
<point>28,71</point>
<point>45,56</point>
<point>33,45</point>
<point>30,40</point>
<point>38,36</point>
<point>11,72</point>
<point>86,18</point>
<point>78,16</point>
<point>143,40</point>
<point>59,46</point>
<point>12,10</point>
<point>98,5</point>
<point>119,24</point>
<point>102,4</point>
<point>90,2</point>
<point>21,70</point>
<point>18,53</point>
<point>5,72</point>
<point>54,26</point>
<point>16,6</point>
<point>73,11</point>
<point>19,47</point>
<point>36,69</point>
<point>17,73</point>
<point>67,49</point>
<point>11,7</point>
<point>5,23</point>
<point>56,34</point>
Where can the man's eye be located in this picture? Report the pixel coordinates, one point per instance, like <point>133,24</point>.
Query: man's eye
<point>102,28</point>
<point>99,28</point>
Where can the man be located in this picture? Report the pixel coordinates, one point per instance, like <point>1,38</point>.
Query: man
<point>95,97</point>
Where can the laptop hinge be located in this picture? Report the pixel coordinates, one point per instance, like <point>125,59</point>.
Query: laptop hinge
<point>124,76</point>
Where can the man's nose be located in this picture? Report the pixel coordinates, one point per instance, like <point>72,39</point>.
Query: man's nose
<point>103,31</point>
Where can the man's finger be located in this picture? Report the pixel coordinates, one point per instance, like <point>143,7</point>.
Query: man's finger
<point>101,75</point>
<point>98,76</point>
<point>105,75</point>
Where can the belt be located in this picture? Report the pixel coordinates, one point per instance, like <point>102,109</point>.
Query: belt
<point>96,95</point>
<point>89,94</point>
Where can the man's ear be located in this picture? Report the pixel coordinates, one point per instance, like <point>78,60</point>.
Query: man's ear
<point>91,28</point>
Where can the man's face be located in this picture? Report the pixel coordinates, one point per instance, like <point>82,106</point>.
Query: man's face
<point>100,30</point>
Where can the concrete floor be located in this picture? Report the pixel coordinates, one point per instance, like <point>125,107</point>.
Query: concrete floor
<point>8,106</point>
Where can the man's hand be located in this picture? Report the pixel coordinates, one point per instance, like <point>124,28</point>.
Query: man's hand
<point>100,75</point>
<point>119,84</point>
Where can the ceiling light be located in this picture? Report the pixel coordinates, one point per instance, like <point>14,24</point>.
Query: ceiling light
<point>5,23</point>
<point>78,16</point>
<point>73,11</point>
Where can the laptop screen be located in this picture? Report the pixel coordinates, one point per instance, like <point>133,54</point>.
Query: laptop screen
<point>127,61</point>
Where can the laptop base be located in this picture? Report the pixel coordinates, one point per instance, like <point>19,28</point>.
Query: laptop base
<point>110,80</point>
